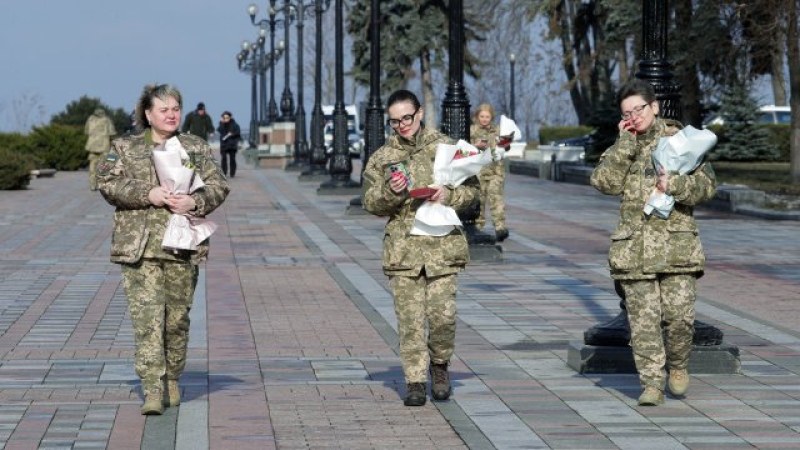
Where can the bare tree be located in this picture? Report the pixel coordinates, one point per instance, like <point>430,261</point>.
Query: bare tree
<point>27,111</point>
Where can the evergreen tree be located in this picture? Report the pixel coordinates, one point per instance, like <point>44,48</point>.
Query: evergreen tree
<point>77,111</point>
<point>746,140</point>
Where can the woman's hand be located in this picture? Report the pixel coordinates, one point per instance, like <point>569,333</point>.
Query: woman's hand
<point>627,125</point>
<point>441,194</point>
<point>398,182</point>
<point>158,196</point>
<point>662,182</point>
<point>482,144</point>
<point>180,203</point>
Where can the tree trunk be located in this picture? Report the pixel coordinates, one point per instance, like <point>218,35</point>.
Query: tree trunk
<point>793,56</point>
<point>687,73</point>
<point>427,90</point>
<point>778,80</point>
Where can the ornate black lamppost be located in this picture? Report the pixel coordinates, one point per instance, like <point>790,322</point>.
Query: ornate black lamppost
<point>317,156</point>
<point>271,22</point>
<point>655,69</point>
<point>511,60</point>
<point>248,62</point>
<point>287,102</point>
<point>341,166</point>
<point>374,136</point>
<point>300,161</point>
<point>455,106</point>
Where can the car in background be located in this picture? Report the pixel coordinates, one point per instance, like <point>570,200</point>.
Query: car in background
<point>766,114</point>
<point>355,141</point>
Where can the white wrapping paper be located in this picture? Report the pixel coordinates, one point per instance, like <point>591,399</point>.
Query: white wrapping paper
<point>184,232</point>
<point>509,128</point>
<point>436,219</point>
<point>682,153</point>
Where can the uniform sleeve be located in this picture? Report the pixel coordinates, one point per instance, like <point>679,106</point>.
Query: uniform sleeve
<point>378,198</point>
<point>117,187</point>
<point>216,188</point>
<point>465,194</point>
<point>695,187</point>
<point>609,175</point>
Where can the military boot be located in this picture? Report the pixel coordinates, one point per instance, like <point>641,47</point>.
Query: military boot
<point>153,403</point>
<point>652,396</point>
<point>415,394</point>
<point>501,234</point>
<point>440,386</point>
<point>173,397</point>
<point>678,381</point>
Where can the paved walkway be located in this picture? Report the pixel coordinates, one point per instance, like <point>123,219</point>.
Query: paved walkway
<point>293,338</point>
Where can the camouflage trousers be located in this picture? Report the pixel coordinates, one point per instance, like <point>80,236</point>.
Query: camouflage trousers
<point>493,178</point>
<point>160,295</point>
<point>668,300</point>
<point>94,159</point>
<point>421,301</point>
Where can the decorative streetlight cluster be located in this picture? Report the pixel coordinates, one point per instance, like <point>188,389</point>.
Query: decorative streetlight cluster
<point>252,59</point>
<point>269,24</point>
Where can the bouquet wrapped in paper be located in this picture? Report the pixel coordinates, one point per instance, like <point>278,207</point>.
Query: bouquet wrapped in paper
<point>176,173</point>
<point>682,152</point>
<point>509,131</point>
<point>452,165</point>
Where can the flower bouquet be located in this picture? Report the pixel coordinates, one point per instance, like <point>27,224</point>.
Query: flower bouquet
<point>682,153</point>
<point>452,165</point>
<point>176,173</point>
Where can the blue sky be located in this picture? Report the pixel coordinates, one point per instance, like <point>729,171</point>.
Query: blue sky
<point>55,51</point>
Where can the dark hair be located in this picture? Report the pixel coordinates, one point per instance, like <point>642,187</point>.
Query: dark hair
<point>227,113</point>
<point>201,105</point>
<point>150,92</point>
<point>636,87</point>
<point>402,95</point>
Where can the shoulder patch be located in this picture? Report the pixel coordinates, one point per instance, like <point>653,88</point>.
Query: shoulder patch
<point>111,157</point>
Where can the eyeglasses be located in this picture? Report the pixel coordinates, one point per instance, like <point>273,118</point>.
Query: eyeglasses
<point>405,121</point>
<point>637,111</point>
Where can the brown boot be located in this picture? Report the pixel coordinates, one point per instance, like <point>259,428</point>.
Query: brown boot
<point>415,394</point>
<point>651,396</point>
<point>678,381</point>
<point>440,384</point>
<point>173,397</point>
<point>153,403</point>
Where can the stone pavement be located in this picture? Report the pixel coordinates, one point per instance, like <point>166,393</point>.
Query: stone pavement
<point>294,344</point>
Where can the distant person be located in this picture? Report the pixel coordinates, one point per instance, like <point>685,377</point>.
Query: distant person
<point>199,123</point>
<point>422,269</point>
<point>484,133</point>
<point>229,137</point>
<point>159,284</point>
<point>99,128</point>
<point>131,127</point>
<point>656,261</point>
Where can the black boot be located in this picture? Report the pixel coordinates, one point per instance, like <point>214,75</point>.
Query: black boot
<point>501,234</point>
<point>415,394</point>
<point>440,386</point>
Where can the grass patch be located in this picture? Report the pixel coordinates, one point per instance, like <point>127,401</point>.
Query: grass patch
<point>770,177</point>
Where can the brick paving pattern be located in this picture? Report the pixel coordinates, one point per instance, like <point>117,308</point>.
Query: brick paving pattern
<point>293,339</point>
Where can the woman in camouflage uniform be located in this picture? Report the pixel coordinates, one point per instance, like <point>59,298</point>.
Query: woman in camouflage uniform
<point>159,284</point>
<point>422,269</point>
<point>483,134</point>
<point>657,261</point>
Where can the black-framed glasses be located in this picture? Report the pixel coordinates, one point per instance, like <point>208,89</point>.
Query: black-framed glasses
<point>405,121</point>
<point>637,111</point>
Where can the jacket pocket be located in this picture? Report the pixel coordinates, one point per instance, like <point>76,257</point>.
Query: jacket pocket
<point>456,249</point>
<point>395,253</point>
<point>623,254</point>
<point>684,248</point>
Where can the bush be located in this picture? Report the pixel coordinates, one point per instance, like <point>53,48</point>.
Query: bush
<point>778,136</point>
<point>550,134</point>
<point>15,168</point>
<point>59,147</point>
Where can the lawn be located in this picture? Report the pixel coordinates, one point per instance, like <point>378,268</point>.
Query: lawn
<point>770,177</point>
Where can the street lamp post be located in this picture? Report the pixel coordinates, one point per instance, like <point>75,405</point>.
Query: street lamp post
<point>317,157</point>
<point>247,60</point>
<point>271,22</point>
<point>300,161</point>
<point>511,60</point>
<point>262,37</point>
<point>287,102</point>
<point>341,167</point>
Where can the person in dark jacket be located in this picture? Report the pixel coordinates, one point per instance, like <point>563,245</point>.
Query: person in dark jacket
<point>229,137</point>
<point>198,123</point>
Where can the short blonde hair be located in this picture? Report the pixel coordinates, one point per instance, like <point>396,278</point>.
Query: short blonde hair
<point>150,92</point>
<point>483,107</point>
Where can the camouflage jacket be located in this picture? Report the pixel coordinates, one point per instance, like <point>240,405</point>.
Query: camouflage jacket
<point>99,130</point>
<point>125,177</point>
<point>403,253</point>
<point>490,133</point>
<point>643,246</point>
